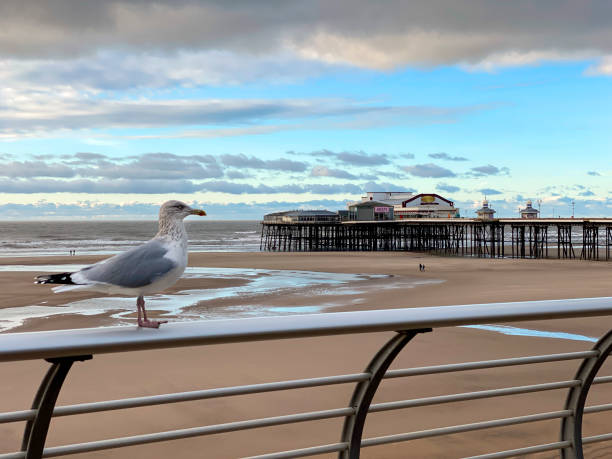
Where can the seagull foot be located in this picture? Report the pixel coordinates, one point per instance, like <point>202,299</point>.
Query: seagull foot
<point>151,323</point>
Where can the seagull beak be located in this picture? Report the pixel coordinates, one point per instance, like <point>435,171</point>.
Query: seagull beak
<point>199,212</point>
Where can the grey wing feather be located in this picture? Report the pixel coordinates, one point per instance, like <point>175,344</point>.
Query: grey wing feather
<point>135,268</point>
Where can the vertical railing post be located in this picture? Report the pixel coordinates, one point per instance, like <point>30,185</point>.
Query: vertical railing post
<point>571,427</point>
<point>365,390</point>
<point>35,433</point>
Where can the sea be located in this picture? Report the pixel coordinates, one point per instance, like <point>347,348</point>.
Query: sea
<point>52,238</point>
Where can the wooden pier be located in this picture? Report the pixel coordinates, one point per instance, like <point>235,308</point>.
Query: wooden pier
<point>587,239</point>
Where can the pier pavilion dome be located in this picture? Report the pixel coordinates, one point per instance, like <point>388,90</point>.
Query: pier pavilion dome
<point>529,212</point>
<point>485,212</point>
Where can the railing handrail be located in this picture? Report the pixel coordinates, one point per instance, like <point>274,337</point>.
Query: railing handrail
<point>90,341</point>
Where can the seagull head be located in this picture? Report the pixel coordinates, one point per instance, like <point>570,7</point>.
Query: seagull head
<point>177,210</point>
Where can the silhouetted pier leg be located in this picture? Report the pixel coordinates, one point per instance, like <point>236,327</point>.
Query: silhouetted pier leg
<point>474,238</point>
<point>590,246</point>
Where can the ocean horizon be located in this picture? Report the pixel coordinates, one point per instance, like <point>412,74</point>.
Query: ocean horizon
<point>53,238</point>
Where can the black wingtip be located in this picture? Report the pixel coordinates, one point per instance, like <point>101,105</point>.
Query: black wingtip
<point>62,278</point>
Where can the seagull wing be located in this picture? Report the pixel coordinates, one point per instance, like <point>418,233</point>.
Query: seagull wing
<point>134,268</point>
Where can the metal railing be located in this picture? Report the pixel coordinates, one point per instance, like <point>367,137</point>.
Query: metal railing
<point>63,348</point>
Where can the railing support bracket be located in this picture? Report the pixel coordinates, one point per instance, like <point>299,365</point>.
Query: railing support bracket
<point>571,427</point>
<point>365,390</point>
<point>35,433</point>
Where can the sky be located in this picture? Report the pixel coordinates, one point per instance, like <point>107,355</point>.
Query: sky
<point>108,109</point>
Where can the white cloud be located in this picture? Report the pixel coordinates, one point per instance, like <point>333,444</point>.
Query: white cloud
<point>429,170</point>
<point>446,157</point>
<point>164,166</point>
<point>37,111</point>
<point>489,169</point>
<point>184,68</point>
<point>224,186</point>
<point>447,188</point>
<point>360,158</point>
<point>122,186</point>
<point>489,191</point>
<point>181,40</point>
<point>514,58</point>
<point>601,68</point>
<point>323,171</point>
<point>251,162</point>
<point>148,210</point>
<point>35,169</point>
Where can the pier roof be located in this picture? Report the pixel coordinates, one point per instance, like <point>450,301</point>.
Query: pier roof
<point>418,196</point>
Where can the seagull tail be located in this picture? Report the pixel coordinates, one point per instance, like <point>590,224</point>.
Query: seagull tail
<point>66,288</point>
<point>62,278</point>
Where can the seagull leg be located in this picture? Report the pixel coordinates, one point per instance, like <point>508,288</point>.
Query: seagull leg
<point>140,304</point>
<point>139,307</point>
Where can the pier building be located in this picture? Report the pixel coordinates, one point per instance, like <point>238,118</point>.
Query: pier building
<point>390,198</point>
<point>529,212</point>
<point>404,204</point>
<point>485,212</point>
<point>302,216</point>
<point>426,205</point>
<point>370,211</point>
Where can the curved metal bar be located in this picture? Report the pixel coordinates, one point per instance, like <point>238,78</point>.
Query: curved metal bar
<point>571,427</point>
<point>35,433</point>
<point>365,390</point>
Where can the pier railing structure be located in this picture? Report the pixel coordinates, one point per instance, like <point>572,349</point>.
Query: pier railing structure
<point>588,239</point>
<point>63,348</point>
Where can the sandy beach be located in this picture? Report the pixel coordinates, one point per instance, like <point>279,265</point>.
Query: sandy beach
<point>384,280</point>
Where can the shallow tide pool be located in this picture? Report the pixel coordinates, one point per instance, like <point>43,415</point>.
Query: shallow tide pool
<point>186,304</point>
<point>321,288</point>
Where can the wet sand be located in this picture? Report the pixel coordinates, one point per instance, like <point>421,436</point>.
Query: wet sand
<point>464,281</point>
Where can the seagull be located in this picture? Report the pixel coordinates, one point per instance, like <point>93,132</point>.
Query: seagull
<point>144,270</point>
